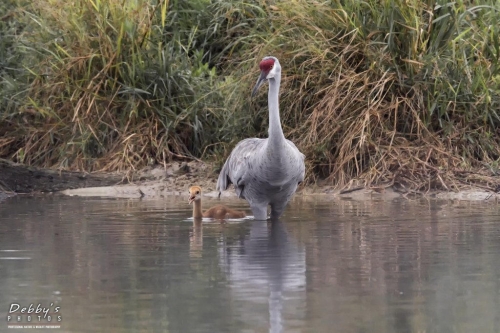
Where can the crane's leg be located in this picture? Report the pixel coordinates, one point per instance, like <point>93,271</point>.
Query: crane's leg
<point>277,210</point>
<point>259,211</point>
<point>239,191</point>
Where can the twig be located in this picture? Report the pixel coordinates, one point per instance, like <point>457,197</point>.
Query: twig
<point>352,190</point>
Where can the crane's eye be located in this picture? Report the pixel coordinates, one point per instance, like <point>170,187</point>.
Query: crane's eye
<point>271,67</point>
<point>197,192</point>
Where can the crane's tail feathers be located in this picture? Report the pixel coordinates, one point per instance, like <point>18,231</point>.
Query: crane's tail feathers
<point>223,180</point>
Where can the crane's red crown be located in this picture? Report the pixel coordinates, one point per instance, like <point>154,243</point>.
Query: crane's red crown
<point>266,64</point>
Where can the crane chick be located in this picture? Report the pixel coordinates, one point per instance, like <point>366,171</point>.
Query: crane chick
<point>218,212</point>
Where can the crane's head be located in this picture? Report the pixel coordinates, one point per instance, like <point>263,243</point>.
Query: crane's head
<point>194,194</point>
<point>269,68</point>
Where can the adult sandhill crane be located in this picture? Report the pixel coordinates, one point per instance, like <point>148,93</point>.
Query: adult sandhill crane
<point>265,171</point>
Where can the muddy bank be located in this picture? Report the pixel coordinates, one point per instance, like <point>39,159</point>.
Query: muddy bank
<point>20,178</point>
<point>170,178</point>
<point>175,179</point>
<point>160,181</point>
<point>159,189</point>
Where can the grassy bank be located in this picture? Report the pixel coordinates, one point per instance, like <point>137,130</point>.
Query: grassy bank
<point>387,92</point>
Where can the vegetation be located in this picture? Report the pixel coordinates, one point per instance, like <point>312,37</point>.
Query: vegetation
<point>388,92</point>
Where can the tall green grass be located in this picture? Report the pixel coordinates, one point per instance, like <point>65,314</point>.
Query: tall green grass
<point>112,85</point>
<point>387,91</point>
<point>382,91</point>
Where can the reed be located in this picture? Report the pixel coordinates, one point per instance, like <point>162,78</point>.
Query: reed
<point>386,92</point>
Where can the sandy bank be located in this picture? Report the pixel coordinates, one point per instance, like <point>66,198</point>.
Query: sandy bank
<point>175,179</point>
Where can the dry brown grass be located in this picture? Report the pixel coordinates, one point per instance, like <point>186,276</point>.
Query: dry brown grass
<point>383,93</point>
<point>367,107</point>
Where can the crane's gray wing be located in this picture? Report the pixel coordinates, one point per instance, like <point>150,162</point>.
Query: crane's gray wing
<point>238,164</point>
<point>300,160</point>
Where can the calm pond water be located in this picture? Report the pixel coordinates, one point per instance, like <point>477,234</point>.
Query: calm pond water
<point>329,265</point>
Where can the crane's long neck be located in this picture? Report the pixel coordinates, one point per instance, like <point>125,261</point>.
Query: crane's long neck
<point>276,137</point>
<point>197,214</point>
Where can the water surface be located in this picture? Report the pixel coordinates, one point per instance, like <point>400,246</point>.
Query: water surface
<point>329,265</point>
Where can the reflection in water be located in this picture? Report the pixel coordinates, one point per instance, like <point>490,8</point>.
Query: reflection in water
<point>327,266</point>
<point>263,269</point>
<point>196,239</point>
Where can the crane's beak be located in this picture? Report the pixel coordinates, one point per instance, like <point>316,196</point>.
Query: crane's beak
<point>191,199</point>
<point>262,78</point>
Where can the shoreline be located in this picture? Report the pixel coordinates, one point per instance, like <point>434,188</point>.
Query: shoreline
<point>158,190</point>
<point>174,179</point>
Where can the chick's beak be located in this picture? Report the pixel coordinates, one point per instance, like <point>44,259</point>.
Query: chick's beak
<point>260,81</point>
<point>191,199</point>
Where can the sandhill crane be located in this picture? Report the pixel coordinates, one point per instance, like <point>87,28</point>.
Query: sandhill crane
<point>218,212</point>
<point>265,171</point>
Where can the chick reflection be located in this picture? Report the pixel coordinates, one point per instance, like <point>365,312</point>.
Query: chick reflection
<point>196,239</point>
<point>266,271</point>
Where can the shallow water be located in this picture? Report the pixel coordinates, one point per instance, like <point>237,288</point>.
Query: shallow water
<point>327,266</point>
